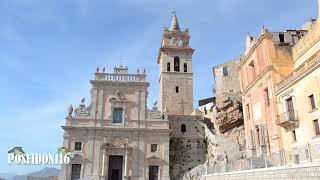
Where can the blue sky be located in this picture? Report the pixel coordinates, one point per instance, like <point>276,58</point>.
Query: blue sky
<point>49,51</point>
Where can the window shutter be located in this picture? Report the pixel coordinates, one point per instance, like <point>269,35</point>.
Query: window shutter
<point>252,142</point>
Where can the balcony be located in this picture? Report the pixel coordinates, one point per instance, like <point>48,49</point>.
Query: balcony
<point>288,119</point>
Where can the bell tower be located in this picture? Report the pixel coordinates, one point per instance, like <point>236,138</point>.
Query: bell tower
<point>176,77</point>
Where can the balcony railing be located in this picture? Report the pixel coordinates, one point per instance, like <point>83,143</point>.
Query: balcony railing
<point>288,119</point>
<point>120,77</point>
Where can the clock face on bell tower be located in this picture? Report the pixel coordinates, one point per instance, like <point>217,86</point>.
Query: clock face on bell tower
<point>176,77</point>
<point>176,41</point>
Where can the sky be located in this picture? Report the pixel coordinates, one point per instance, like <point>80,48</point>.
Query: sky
<point>49,51</point>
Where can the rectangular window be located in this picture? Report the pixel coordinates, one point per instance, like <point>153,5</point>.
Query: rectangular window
<point>252,70</point>
<point>75,171</point>
<point>248,111</point>
<point>290,110</point>
<point>258,136</point>
<point>177,89</point>
<point>185,67</point>
<point>225,71</point>
<point>294,136</point>
<point>312,102</point>
<point>316,127</point>
<point>154,148</point>
<point>281,37</point>
<point>306,152</point>
<point>296,159</point>
<point>266,97</point>
<point>117,115</point>
<point>77,146</point>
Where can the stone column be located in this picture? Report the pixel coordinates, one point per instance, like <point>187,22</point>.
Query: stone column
<point>106,165</point>
<point>160,175</point>
<point>103,164</point>
<point>126,163</point>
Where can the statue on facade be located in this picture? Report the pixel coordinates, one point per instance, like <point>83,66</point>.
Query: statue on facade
<point>104,69</point>
<point>83,100</point>
<point>154,106</point>
<point>97,70</point>
<point>126,142</point>
<point>70,110</point>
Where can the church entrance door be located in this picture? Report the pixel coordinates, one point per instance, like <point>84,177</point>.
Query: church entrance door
<point>115,168</point>
<point>153,172</point>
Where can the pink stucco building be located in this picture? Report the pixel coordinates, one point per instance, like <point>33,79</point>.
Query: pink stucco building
<point>266,61</point>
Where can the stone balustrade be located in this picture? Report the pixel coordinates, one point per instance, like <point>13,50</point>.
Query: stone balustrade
<point>120,77</point>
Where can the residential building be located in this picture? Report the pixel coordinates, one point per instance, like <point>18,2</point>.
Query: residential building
<point>266,61</point>
<point>227,83</point>
<point>298,98</point>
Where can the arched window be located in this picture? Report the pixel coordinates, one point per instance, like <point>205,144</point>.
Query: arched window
<point>176,64</point>
<point>185,67</point>
<point>168,67</point>
<point>183,128</point>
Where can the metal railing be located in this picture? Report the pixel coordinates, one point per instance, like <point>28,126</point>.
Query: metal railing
<point>288,118</point>
<point>302,155</point>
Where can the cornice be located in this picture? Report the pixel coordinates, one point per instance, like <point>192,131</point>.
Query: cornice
<point>103,129</point>
<point>177,73</point>
<point>253,48</point>
<point>301,72</point>
<point>169,48</point>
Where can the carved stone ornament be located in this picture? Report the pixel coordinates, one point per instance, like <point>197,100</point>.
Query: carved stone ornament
<point>70,110</point>
<point>115,142</point>
<point>82,110</point>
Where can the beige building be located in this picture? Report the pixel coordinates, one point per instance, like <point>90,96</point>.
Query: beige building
<point>116,137</point>
<point>298,98</point>
<point>227,83</point>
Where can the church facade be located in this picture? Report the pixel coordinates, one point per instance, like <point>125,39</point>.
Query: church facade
<point>117,137</point>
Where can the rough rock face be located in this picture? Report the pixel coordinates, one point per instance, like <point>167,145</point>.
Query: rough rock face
<point>229,115</point>
<point>221,149</point>
<point>226,147</point>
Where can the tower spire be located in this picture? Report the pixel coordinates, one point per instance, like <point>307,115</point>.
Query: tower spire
<point>174,23</point>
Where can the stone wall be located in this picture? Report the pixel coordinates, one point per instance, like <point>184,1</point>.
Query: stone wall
<point>187,149</point>
<point>300,172</point>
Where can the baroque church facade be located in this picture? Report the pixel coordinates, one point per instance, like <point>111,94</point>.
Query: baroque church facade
<point>117,137</point>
